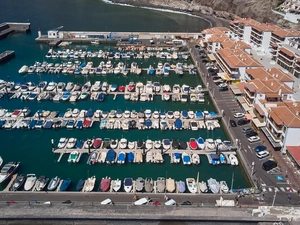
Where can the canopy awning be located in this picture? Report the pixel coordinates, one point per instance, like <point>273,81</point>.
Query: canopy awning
<point>248,116</point>
<point>235,89</point>
<point>257,123</point>
<point>211,57</point>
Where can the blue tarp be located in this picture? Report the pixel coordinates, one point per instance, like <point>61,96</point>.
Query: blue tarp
<point>148,123</point>
<point>130,157</point>
<point>186,158</point>
<point>111,155</point>
<point>177,155</point>
<point>128,182</point>
<point>178,123</point>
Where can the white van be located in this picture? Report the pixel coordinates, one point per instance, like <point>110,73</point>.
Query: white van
<point>142,201</point>
<point>170,202</point>
<point>107,201</point>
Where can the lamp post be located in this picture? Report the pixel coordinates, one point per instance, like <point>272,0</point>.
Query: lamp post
<point>274,198</point>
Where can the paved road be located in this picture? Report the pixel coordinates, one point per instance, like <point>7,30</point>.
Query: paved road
<point>225,100</point>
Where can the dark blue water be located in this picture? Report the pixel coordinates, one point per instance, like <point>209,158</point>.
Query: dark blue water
<point>33,147</point>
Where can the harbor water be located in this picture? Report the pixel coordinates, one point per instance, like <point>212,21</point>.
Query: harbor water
<point>33,147</point>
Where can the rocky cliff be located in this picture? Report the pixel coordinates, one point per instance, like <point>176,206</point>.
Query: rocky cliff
<point>260,10</point>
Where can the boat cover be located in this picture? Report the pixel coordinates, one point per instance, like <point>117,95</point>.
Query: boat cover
<point>178,123</point>
<point>128,182</point>
<point>130,157</point>
<point>181,186</point>
<point>111,155</point>
<point>148,123</point>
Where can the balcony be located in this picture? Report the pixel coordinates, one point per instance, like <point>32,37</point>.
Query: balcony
<point>287,63</point>
<point>258,33</point>
<point>287,57</point>
<point>275,143</point>
<point>297,69</point>
<point>249,94</point>
<point>278,129</point>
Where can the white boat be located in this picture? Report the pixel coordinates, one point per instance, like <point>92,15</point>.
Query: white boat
<point>128,184</point>
<point>233,160</point>
<point>150,157</point>
<point>195,159</point>
<point>213,185</point>
<point>75,113</point>
<point>191,184</point>
<point>224,187</point>
<point>116,185</point>
<point>89,184</point>
<point>210,144</point>
<point>186,158</point>
<point>170,185</point>
<point>73,157</point>
<point>30,182</point>
<point>71,143</point>
<point>149,144</point>
<point>7,170</point>
<point>158,157</point>
<point>131,144</point>
<point>123,143</point>
<point>203,187</point>
<point>157,144</point>
<point>23,69</point>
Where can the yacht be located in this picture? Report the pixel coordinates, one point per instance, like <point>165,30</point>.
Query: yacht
<point>7,170</point>
<point>18,182</point>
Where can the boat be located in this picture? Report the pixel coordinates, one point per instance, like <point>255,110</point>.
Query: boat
<point>161,184</point>
<point>8,170</point>
<point>176,157</point>
<point>30,182</point>
<point>97,142</point>
<point>54,182</point>
<point>178,124</point>
<point>222,159</point>
<point>210,144</point>
<point>191,184</point>
<point>18,182</point>
<point>213,185</point>
<point>73,157</point>
<point>203,187</point>
<point>148,184</point>
<point>166,144</point>
<point>233,160</point>
<point>105,184</point>
<point>23,69</point>
<point>130,157</point>
<point>193,144</point>
<point>170,185</point>
<point>195,159</point>
<point>62,142</point>
<point>215,159</point>
<point>200,143</point>
<point>93,158</point>
<point>71,143</point>
<point>89,184</point>
<point>186,159</point>
<point>181,186</point>
<point>224,186</point>
<point>80,184</point>
<point>139,184</point>
<point>123,143</point>
<point>121,157</point>
<point>41,183</point>
<point>116,185</point>
<point>131,144</point>
<point>149,144</point>
<point>110,156</point>
<point>128,184</point>
<point>65,185</point>
<point>114,143</point>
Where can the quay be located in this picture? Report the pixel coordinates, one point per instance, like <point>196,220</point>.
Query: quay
<point>7,55</point>
<point>8,28</point>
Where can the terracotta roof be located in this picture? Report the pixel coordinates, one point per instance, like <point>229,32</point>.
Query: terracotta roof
<point>276,119</point>
<point>272,95</point>
<point>284,115</point>
<point>272,73</point>
<point>287,52</point>
<point>294,152</point>
<point>241,86</point>
<point>259,109</point>
<point>271,87</point>
<point>236,58</point>
<point>215,30</point>
<point>251,87</point>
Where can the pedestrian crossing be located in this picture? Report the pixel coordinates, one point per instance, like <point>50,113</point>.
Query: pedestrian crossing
<point>277,189</point>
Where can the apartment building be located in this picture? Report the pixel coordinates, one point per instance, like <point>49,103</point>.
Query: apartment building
<point>291,10</point>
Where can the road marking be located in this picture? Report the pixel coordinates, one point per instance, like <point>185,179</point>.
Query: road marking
<point>282,189</point>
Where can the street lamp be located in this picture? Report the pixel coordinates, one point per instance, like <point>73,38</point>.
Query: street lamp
<point>274,198</point>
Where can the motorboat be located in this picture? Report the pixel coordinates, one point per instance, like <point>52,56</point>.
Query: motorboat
<point>224,186</point>
<point>161,184</point>
<point>176,157</point>
<point>131,157</point>
<point>110,156</point>
<point>121,157</point>
<point>166,144</point>
<point>53,184</point>
<point>213,185</point>
<point>195,159</point>
<point>23,69</point>
<point>128,184</point>
<point>203,187</point>
<point>123,143</point>
<point>30,182</point>
<point>140,144</point>
<point>62,142</point>
<point>18,182</point>
<point>150,157</point>
<point>116,185</point>
<point>233,160</point>
<point>71,143</point>
<point>181,186</point>
<point>80,184</point>
<point>8,170</point>
<point>200,143</point>
<point>157,144</point>
<point>192,185</point>
<point>170,185</point>
<point>210,144</point>
<point>114,143</point>
<point>158,158</point>
<point>215,159</point>
<point>186,158</point>
<point>105,184</point>
<point>193,144</point>
<point>139,184</point>
<point>223,159</point>
<point>97,142</point>
<point>148,184</point>
<point>65,185</point>
<point>89,184</point>
<point>93,158</point>
<point>149,144</point>
<point>41,183</point>
<point>131,144</point>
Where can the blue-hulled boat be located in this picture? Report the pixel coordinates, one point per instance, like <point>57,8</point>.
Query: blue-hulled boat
<point>39,124</point>
<point>131,157</point>
<point>186,159</point>
<point>184,114</point>
<point>80,185</point>
<point>178,124</point>
<point>215,160</point>
<point>148,124</point>
<point>70,124</point>
<point>65,185</point>
<point>200,143</point>
<point>79,124</point>
<point>198,114</point>
<point>121,158</point>
<point>110,156</point>
<point>90,113</point>
<point>2,122</point>
<point>60,115</point>
<point>48,124</point>
<point>176,158</point>
<point>223,159</point>
<point>79,144</point>
<point>113,87</point>
<point>32,124</point>
<point>181,186</point>
<point>212,114</point>
<point>101,97</point>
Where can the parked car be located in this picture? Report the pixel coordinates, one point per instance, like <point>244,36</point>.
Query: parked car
<point>216,78</point>
<point>238,115</point>
<point>260,148</point>
<point>242,122</point>
<point>223,89</point>
<point>262,154</point>
<point>222,85</point>
<point>268,165</point>
<point>219,82</point>
<point>254,139</point>
<point>251,133</point>
<point>232,123</point>
<point>247,129</point>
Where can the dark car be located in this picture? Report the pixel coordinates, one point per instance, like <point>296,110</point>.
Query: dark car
<point>251,133</point>
<point>186,203</point>
<point>232,123</point>
<point>219,82</point>
<point>268,165</point>
<point>216,78</point>
<point>260,148</point>
<point>242,122</point>
<point>204,60</point>
<point>223,88</point>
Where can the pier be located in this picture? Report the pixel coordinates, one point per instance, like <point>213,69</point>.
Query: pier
<point>8,28</point>
<point>7,55</point>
